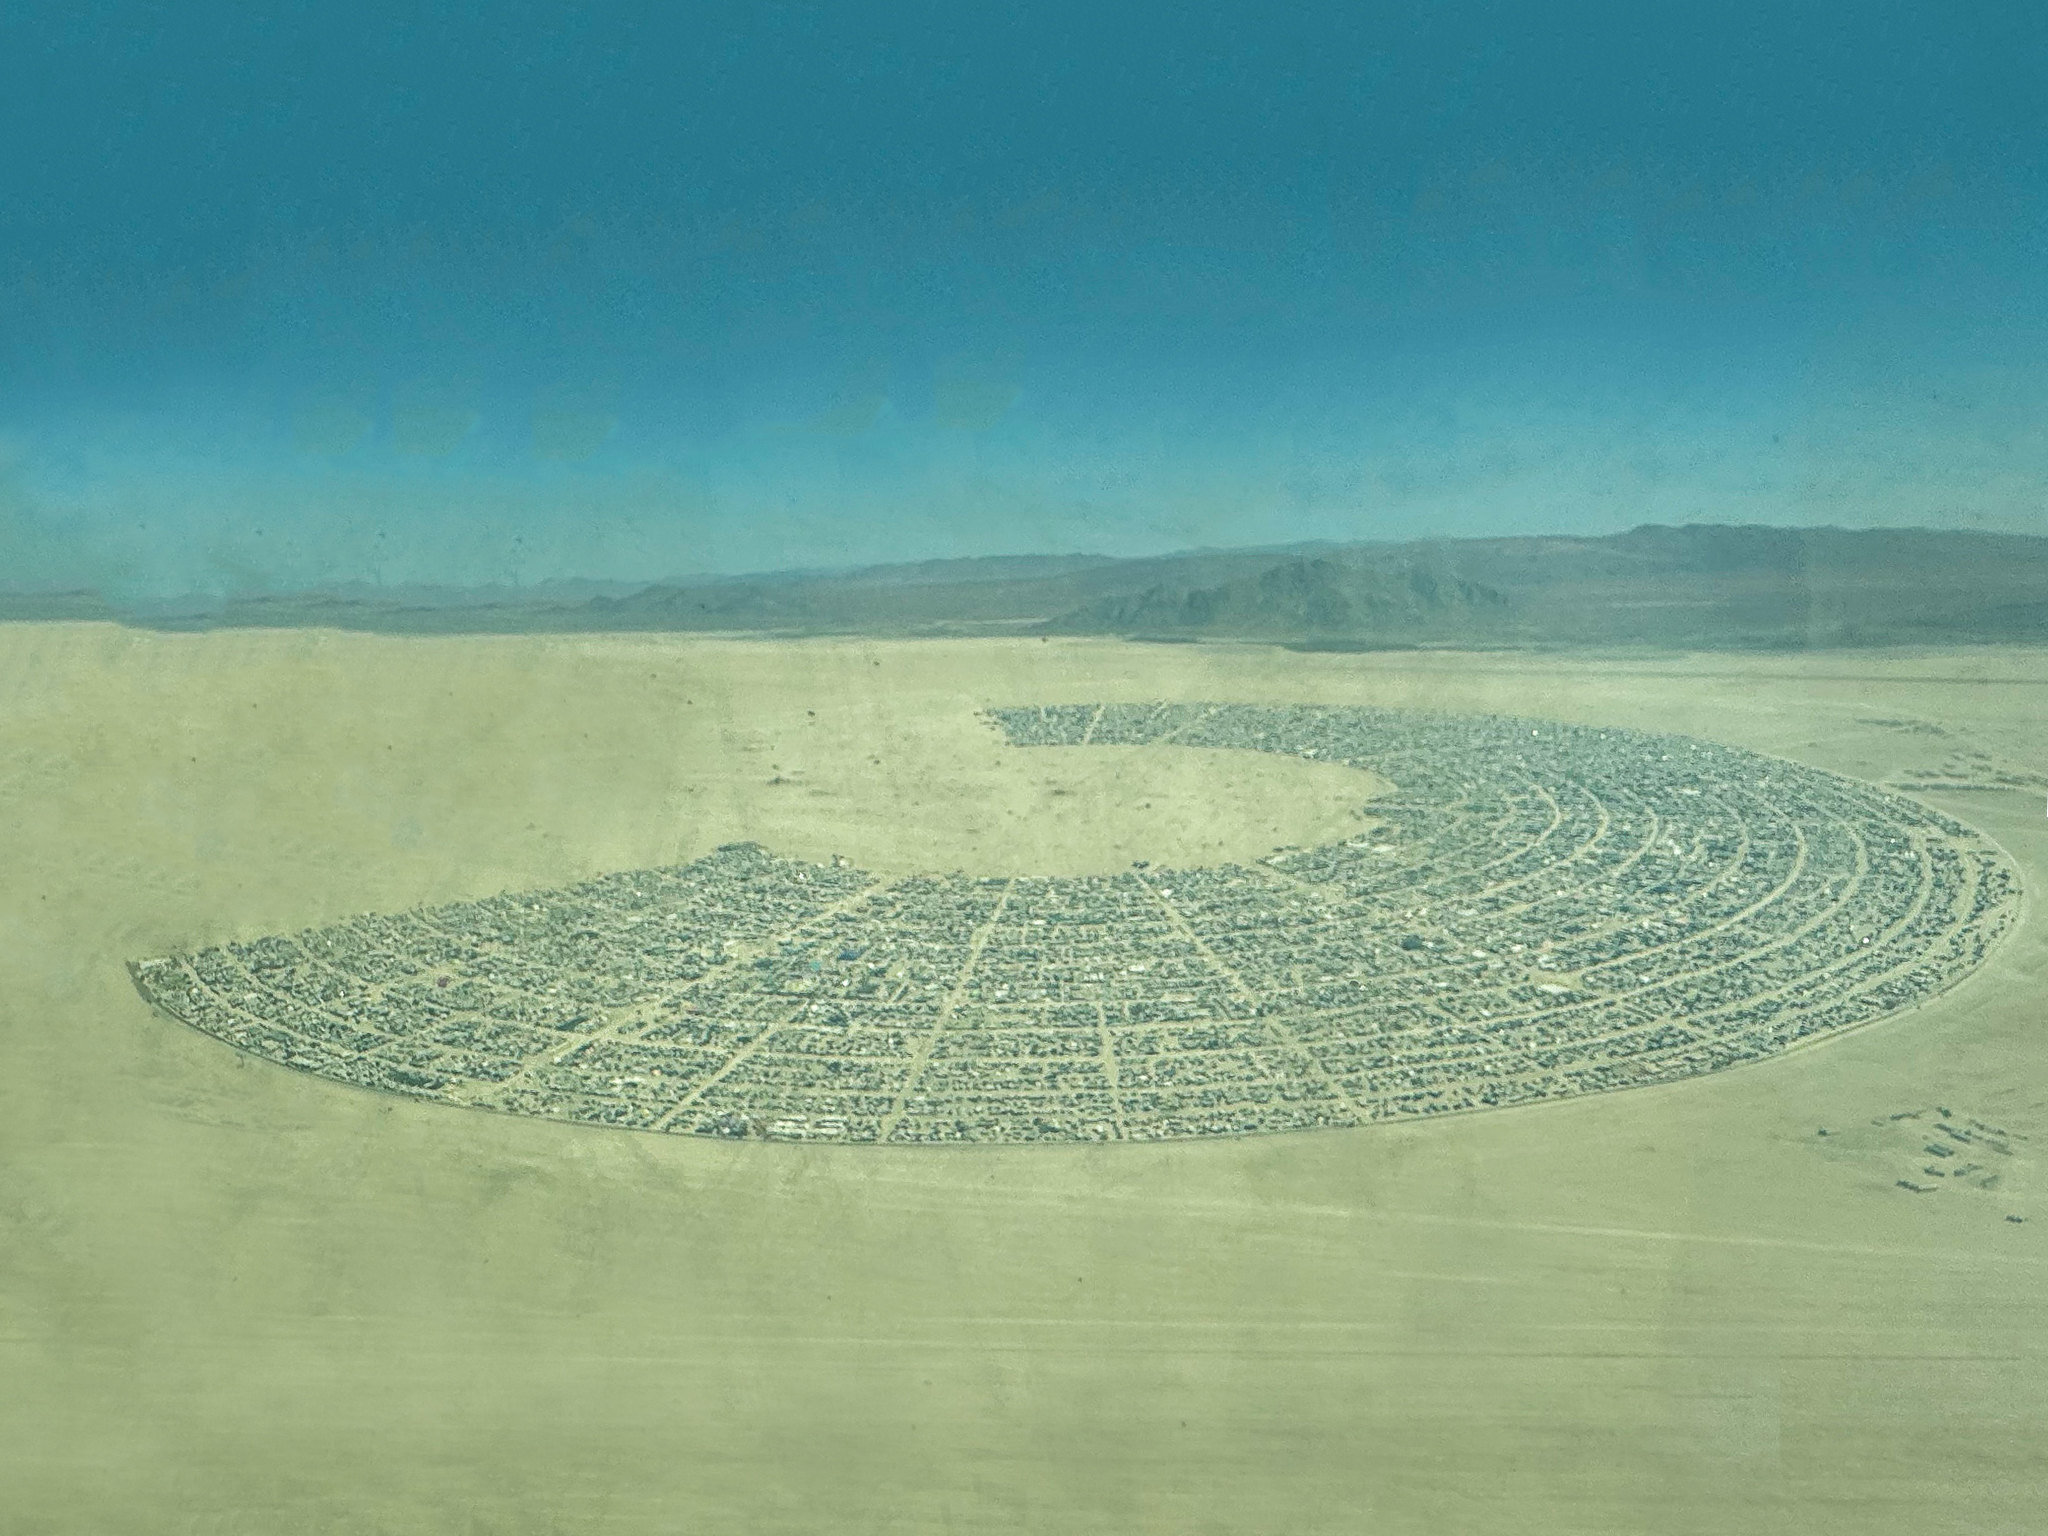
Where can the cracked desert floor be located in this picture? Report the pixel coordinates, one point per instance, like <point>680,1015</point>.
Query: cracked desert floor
<point>235,1298</point>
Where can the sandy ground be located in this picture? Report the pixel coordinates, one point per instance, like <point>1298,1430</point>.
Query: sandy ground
<point>238,1299</point>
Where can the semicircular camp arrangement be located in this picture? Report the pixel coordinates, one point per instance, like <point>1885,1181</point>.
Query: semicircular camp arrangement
<point>1540,910</point>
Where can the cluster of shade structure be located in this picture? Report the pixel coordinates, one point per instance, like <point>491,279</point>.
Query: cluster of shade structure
<point>1536,910</point>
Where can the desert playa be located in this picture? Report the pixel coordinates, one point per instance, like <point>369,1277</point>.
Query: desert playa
<point>1805,1295</point>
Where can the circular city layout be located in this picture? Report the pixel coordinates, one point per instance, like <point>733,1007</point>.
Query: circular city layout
<point>1539,910</point>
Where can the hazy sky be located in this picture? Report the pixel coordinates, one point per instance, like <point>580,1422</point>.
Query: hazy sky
<point>509,291</point>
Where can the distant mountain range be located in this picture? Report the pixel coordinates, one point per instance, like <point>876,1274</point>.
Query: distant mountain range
<point>1324,596</point>
<point>1699,585</point>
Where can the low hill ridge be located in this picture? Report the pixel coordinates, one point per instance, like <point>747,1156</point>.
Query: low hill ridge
<point>1712,586</point>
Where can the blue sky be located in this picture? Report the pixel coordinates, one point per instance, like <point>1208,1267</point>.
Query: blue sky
<point>511,292</point>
